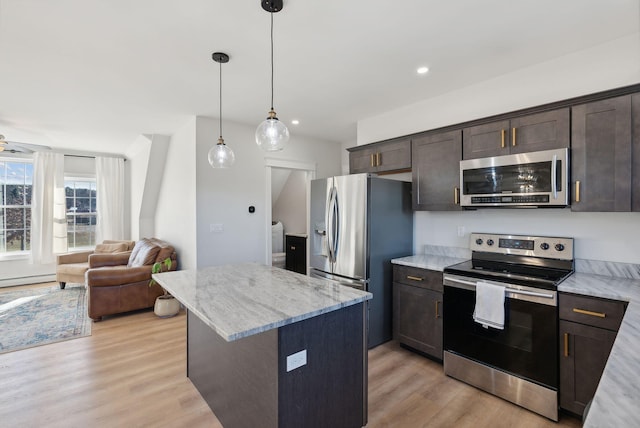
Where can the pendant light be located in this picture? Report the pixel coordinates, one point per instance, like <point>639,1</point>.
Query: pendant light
<point>220,155</point>
<point>272,134</point>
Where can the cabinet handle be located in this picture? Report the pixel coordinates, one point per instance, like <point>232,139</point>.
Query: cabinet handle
<point>437,309</point>
<point>513,139</point>
<point>415,278</point>
<point>593,314</point>
<point>566,344</point>
<point>456,195</point>
<point>577,190</point>
<point>372,159</point>
<point>293,248</point>
<point>378,163</point>
<point>502,132</point>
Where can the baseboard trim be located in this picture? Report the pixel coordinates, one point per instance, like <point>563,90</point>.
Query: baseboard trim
<point>26,280</point>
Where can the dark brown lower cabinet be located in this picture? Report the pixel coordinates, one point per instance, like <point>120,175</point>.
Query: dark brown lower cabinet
<point>582,363</point>
<point>417,309</point>
<point>588,328</point>
<point>296,253</point>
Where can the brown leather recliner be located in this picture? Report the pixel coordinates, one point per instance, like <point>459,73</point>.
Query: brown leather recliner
<point>71,267</point>
<point>121,283</point>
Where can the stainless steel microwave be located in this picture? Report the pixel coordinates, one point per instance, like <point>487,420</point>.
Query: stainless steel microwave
<point>535,179</point>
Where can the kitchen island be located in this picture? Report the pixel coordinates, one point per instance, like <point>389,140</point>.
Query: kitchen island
<point>273,348</point>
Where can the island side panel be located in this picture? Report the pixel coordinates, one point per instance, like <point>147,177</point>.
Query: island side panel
<point>330,390</point>
<point>239,379</point>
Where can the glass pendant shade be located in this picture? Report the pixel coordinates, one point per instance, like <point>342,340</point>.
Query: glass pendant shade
<point>272,135</point>
<point>221,156</point>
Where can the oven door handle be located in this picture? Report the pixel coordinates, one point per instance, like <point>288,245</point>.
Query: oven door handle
<point>507,289</point>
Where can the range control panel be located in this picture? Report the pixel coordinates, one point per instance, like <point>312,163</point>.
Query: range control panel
<point>536,246</point>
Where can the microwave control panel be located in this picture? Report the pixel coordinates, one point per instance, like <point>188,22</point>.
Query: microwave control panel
<point>511,199</point>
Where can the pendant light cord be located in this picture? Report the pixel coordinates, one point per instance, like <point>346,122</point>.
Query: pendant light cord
<point>271,60</point>
<point>220,99</point>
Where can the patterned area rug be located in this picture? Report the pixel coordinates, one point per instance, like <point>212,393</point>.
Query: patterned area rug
<point>40,316</point>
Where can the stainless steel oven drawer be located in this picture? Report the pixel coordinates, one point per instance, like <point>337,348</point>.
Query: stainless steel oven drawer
<point>418,277</point>
<point>592,311</point>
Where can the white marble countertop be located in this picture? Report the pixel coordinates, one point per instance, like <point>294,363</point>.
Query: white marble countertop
<point>428,261</point>
<point>618,395</point>
<point>240,300</point>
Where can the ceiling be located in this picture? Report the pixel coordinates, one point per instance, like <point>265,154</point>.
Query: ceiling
<point>95,74</point>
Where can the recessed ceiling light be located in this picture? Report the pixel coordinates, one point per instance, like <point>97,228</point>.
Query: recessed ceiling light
<point>423,70</point>
<point>295,121</point>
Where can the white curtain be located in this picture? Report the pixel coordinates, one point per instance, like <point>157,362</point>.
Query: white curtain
<point>110,203</point>
<point>48,213</point>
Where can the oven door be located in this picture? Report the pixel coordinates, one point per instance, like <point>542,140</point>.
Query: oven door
<point>528,345</point>
<point>525,179</point>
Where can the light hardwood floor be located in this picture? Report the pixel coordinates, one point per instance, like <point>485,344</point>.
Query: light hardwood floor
<point>131,372</point>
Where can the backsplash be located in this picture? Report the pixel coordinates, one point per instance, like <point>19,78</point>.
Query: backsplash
<point>454,252</point>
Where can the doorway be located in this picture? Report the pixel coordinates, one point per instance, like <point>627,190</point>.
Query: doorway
<point>287,189</point>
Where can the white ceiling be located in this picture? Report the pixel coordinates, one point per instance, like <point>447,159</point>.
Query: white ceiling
<point>95,74</point>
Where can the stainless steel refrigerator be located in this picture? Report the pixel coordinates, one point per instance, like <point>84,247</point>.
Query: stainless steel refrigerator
<point>359,223</point>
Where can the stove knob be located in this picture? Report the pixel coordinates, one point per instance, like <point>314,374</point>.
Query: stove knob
<point>544,246</point>
<point>559,247</point>
<point>478,241</point>
<point>490,242</point>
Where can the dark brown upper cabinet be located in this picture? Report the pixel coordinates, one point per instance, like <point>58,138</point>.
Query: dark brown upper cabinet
<point>601,154</point>
<point>635,167</point>
<point>385,156</point>
<point>531,133</point>
<point>435,161</point>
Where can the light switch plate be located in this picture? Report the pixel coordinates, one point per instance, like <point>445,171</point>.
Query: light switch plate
<point>296,360</point>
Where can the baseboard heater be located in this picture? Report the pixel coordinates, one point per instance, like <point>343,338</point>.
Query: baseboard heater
<point>26,280</point>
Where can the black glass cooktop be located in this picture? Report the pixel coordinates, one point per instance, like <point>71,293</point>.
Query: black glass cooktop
<point>534,274</point>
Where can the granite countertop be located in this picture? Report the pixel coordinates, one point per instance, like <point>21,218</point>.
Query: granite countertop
<point>240,300</point>
<point>616,401</point>
<point>428,261</point>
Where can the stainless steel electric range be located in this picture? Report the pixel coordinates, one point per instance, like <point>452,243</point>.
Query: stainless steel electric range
<point>519,362</point>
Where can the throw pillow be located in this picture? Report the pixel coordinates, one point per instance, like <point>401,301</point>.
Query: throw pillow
<point>166,250</point>
<point>144,253</point>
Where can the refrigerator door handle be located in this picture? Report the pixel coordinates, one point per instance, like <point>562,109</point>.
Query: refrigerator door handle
<point>336,233</point>
<point>330,224</point>
<point>360,284</point>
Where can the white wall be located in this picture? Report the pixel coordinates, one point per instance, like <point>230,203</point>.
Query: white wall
<point>147,157</point>
<point>224,195</point>
<point>175,212</point>
<point>137,163</point>
<point>599,236</point>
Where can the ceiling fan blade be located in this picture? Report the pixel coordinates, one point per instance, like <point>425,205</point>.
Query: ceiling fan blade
<point>17,147</point>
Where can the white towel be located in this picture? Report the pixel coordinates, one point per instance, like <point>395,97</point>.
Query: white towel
<point>489,305</point>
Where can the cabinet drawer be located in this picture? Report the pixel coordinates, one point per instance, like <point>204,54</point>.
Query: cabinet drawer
<point>417,277</point>
<point>592,311</point>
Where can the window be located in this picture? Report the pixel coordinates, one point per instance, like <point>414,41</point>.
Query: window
<point>81,211</point>
<point>16,178</point>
